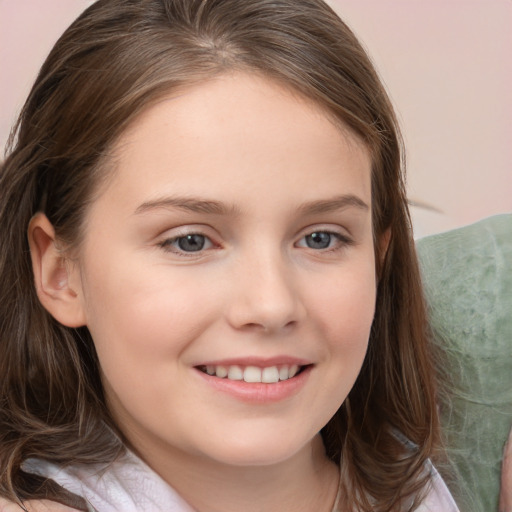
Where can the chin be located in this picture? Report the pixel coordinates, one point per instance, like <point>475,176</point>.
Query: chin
<point>258,450</point>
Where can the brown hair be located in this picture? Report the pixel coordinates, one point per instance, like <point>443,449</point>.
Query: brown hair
<point>118,57</point>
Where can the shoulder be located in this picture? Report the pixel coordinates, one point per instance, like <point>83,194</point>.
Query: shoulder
<point>127,484</point>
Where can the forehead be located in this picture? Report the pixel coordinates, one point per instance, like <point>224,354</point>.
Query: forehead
<point>241,127</point>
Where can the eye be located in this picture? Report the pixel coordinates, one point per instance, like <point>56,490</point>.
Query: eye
<point>323,240</point>
<point>193,242</point>
<point>320,240</point>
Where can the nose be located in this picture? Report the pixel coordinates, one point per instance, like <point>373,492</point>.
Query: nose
<point>265,294</point>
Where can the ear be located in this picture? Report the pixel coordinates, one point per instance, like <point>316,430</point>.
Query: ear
<point>57,278</point>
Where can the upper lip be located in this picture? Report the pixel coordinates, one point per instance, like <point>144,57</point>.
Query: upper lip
<point>261,362</point>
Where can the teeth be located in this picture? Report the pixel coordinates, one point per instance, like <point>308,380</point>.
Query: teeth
<point>252,374</point>
<point>268,375</point>
<point>221,371</point>
<point>235,373</point>
<point>284,373</point>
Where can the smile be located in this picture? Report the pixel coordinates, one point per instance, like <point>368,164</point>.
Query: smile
<point>256,382</point>
<point>253,374</point>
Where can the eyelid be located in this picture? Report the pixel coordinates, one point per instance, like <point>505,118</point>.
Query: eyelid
<point>326,228</point>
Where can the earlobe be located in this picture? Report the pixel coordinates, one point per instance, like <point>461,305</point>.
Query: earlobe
<point>54,274</point>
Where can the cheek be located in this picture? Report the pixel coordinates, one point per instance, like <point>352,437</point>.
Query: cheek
<point>346,308</point>
<point>141,326</point>
<point>137,318</point>
<point>344,311</point>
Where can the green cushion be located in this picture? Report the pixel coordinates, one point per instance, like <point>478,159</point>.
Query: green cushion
<point>467,275</point>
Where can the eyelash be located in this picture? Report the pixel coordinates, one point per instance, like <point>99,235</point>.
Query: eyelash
<point>167,245</point>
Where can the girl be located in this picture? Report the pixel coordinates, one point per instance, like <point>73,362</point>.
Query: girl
<point>209,294</point>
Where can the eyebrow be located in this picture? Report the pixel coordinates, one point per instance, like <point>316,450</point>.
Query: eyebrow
<point>334,204</point>
<point>209,206</point>
<point>191,204</point>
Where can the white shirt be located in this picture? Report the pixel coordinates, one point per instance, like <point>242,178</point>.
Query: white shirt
<point>129,485</point>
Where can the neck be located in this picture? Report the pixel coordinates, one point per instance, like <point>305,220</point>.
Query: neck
<point>307,481</point>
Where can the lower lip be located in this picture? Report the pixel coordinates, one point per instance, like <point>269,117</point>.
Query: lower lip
<point>258,392</point>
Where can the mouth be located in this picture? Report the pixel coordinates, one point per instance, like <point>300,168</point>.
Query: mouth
<point>254,374</point>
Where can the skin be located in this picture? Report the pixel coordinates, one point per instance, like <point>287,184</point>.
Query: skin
<point>259,287</point>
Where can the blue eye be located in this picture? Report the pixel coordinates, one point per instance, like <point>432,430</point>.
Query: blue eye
<point>321,240</point>
<point>193,242</point>
<point>318,240</point>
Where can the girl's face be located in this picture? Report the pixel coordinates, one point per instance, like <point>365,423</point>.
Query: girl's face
<point>234,238</point>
